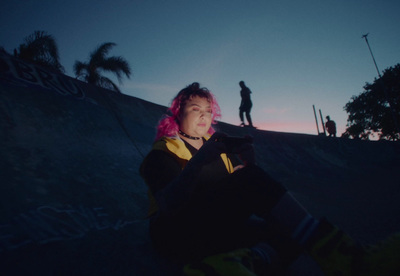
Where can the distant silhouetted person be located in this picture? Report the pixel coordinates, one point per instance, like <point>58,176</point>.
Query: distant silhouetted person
<point>245,104</point>
<point>330,127</point>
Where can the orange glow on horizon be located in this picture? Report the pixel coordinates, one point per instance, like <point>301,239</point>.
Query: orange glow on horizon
<point>292,127</point>
<point>302,127</point>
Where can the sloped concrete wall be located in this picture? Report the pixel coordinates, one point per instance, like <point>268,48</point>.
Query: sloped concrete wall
<point>73,203</point>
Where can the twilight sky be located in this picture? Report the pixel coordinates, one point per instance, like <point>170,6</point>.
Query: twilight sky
<point>291,53</point>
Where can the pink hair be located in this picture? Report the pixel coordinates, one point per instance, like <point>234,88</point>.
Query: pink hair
<point>169,125</point>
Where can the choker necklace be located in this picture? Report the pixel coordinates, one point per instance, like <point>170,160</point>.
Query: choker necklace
<point>188,136</point>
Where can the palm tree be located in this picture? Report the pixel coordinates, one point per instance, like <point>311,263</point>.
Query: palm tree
<point>91,71</point>
<point>40,48</point>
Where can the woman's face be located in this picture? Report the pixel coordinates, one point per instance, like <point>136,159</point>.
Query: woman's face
<point>196,117</point>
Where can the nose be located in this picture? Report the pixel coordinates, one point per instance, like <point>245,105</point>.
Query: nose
<point>202,116</point>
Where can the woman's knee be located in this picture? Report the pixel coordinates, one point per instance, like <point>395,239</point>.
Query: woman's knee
<point>260,185</point>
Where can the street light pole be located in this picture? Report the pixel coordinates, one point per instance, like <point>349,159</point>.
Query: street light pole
<point>373,58</point>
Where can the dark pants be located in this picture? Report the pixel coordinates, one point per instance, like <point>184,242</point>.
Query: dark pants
<point>245,108</point>
<point>218,219</point>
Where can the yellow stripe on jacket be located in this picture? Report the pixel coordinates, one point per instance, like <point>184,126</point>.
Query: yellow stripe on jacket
<point>182,154</point>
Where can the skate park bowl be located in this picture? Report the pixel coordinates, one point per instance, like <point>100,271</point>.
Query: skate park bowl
<point>73,202</point>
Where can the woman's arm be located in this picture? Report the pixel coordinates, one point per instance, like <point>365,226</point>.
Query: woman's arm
<point>171,185</point>
<point>159,169</point>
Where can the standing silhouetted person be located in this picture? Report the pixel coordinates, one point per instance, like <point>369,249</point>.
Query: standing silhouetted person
<point>330,127</point>
<point>245,104</point>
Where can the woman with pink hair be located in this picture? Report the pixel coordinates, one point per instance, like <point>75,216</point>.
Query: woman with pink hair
<point>204,201</point>
<point>169,126</point>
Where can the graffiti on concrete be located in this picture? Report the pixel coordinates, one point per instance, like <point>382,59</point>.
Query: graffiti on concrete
<point>48,224</point>
<point>18,72</point>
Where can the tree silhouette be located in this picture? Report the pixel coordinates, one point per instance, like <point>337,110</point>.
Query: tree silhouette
<point>40,48</point>
<point>376,110</point>
<point>98,62</point>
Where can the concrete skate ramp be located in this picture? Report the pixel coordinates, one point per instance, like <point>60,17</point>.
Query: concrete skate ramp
<point>73,203</point>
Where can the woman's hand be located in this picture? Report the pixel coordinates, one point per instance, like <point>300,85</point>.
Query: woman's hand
<point>210,151</point>
<point>246,154</point>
